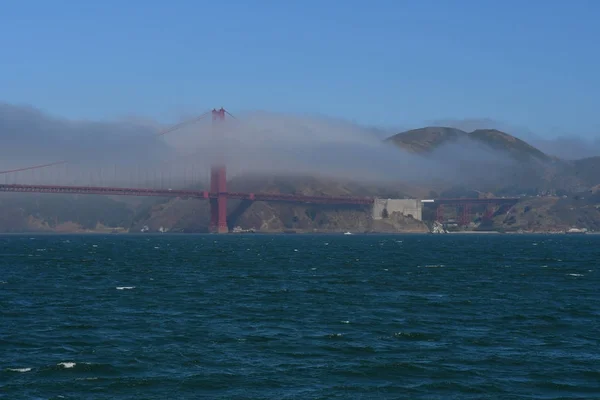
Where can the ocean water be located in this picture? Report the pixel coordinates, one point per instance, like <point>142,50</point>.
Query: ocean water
<point>300,317</point>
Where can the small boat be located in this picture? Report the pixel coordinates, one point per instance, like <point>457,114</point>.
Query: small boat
<point>347,233</point>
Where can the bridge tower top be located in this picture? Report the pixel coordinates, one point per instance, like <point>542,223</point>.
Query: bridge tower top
<point>218,115</point>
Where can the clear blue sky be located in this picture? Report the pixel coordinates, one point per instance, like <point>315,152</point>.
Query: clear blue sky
<point>533,63</point>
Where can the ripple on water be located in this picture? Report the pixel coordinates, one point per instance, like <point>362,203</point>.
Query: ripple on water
<point>420,317</point>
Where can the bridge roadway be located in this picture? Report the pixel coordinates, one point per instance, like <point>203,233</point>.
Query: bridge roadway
<point>473,201</point>
<point>197,194</point>
<point>203,194</point>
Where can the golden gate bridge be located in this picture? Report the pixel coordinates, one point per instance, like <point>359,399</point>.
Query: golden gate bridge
<point>161,183</point>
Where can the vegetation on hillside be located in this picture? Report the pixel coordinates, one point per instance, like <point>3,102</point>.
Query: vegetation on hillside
<point>39,212</point>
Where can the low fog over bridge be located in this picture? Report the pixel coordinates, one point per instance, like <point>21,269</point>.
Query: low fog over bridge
<point>17,180</point>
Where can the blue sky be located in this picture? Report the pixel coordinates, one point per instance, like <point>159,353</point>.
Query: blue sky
<point>531,63</point>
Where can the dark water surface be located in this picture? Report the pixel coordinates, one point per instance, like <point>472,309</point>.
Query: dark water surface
<point>300,317</point>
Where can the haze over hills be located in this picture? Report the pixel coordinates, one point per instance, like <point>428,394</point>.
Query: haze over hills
<point>426,140</point>
<point>309,156</point>
<point>567,146</point>
<point>528,170</point>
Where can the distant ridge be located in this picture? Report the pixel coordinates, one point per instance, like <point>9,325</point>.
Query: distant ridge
<point>426,140</point>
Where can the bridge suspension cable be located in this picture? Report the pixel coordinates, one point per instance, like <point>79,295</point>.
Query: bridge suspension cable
<point>230,114</point>
<point>183,124</point>
<point>32,167</point>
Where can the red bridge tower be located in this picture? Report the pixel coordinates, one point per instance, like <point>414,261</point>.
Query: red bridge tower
<point>218,179</point>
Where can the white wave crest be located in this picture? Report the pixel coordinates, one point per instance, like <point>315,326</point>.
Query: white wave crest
<point>19,369</point>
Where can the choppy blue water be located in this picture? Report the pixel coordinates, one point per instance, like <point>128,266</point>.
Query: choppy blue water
<point>300,317</point>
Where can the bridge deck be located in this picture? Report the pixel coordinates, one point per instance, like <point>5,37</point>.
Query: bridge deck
<point>202,194</point>
<point>492,200</point>
<point>199,194</point>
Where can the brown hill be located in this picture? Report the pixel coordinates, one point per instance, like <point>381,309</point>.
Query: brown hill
<point>24,212</point>
<point>543,214</point>
<point>530,171</point>
<point>426,140</point>
<point>502,141</point>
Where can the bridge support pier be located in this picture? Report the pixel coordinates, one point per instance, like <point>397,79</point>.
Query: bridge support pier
<point>218,205</point>
<point>488,215</point>
<point>465,216</point>
<point>237,212</point>
<point>439,213</point>
<point>218,180</point>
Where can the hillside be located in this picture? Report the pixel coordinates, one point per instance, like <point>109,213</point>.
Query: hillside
<point>427,140</point>
<point>506,166</point>
<point>553,214</point>
<point>193,216</point>
<point>74,214</point>
<point>501,141</point>
<point>20,212</point>
<point>515,166</point>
